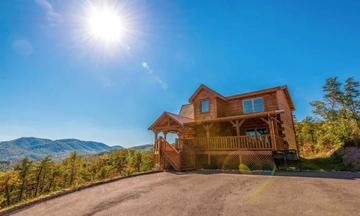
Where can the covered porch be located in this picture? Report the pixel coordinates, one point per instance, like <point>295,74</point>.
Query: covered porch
<point>200,143</point>
<point>250,132</point>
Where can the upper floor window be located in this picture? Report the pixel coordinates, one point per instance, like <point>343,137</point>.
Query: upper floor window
<point>204,105</point>
<point>253,105</point>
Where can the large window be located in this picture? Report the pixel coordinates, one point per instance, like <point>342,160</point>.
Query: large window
<point>256,132</point>
<point>204,106</point>
<point>253,105</point>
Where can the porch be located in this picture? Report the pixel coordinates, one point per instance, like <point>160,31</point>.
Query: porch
<point>199,144</point>
<point>229,143</point>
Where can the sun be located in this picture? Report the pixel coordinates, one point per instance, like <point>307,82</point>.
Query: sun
<point>105,23</point>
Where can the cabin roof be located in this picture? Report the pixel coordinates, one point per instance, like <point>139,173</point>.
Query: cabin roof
<point>204,87</point>
<point>180,120</point>
<point>264,91</point>
<point>247,94</point>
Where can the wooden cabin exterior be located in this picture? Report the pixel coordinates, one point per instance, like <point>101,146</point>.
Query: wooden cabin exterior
<point>215,131</point>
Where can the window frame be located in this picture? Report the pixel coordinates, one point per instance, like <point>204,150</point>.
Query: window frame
<point>253,105</point>
<point>208,105</point>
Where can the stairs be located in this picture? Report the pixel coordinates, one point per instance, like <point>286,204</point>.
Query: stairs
<point>169,154</point>
<point>179,159</point>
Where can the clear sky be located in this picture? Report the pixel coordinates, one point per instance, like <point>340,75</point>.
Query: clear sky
<point>55,82</point>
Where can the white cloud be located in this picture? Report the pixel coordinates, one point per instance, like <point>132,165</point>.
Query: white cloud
<point>53,16</point>
<point>156,78</point>
<point>22,47</point>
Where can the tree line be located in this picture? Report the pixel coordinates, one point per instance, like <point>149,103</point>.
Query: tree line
<point>336,119</point>
<point>30,179</point>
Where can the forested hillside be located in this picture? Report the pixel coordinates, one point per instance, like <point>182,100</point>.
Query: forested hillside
<point>30,179</point>
<point>37,148</point>
<point>333,129</point>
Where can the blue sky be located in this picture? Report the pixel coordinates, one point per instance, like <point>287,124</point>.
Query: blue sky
<point>55,84</point>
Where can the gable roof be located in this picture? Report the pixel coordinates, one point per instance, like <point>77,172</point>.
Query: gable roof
<point>264,91</point>
<point>181,120</point>
<point>247,94</point>
<point>204,87</point>
<point>287,94</point>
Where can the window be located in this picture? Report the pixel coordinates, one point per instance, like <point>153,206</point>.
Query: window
<point>253,105</point>
<point>256,132</point>
<point>204,106</point>
<point>258,105</point>
<point>248,106</point>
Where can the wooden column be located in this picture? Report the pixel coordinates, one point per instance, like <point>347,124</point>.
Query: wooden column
<point>165,135</point>
<point>156,149</point>
<point>207,130</point>
<point>155,140</point>
<point>237,124</point>
<point>272,134</point>
<point>271,125</point>
<point>240,158</point>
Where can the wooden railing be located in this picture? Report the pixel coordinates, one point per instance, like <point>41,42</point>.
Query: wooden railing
<point>229,143</point>
<point>171,154</point>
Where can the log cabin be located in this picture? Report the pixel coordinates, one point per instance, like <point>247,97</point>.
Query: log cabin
<point>214,131</point>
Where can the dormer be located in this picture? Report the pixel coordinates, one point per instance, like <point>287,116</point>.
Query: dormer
<point>206,103</point>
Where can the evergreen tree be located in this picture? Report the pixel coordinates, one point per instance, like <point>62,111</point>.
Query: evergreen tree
<point>23,168</point>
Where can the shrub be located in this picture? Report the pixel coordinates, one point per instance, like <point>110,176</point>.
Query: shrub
<point>252,166</point>
<point>244,169</point>
<point>267,166</point>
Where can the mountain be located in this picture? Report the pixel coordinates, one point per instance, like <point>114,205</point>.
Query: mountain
<point>145,147</point>
<point>117,147</point>
<point>37,148</point>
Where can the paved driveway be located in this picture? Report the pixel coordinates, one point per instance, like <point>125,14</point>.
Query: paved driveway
<point>209,194</point>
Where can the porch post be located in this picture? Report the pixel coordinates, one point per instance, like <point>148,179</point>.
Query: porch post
<point>155,140</point>
<point>270,122</point>
<point>165,135</point>
<point>207,130</point>
<point>237,124</point>
<point>272,134</point>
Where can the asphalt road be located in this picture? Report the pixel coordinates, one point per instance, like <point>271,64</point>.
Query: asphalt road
<point>209,194</point>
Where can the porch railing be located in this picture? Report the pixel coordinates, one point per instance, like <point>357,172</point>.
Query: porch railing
<point>228,143</point>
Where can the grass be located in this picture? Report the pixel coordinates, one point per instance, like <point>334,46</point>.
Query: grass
<point>323,164</point>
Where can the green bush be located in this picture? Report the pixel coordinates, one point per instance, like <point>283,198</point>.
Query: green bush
<point>243,168</point>
<point>253,166</point>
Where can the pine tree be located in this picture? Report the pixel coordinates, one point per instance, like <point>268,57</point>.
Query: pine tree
<point>23,168</point>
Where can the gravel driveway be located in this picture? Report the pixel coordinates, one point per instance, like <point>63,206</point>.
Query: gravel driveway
<point>209,194</point>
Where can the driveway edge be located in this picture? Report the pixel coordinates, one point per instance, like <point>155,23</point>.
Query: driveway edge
<point>22,206</point>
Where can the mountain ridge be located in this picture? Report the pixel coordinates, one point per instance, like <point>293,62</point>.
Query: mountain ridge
<point>36,148</point>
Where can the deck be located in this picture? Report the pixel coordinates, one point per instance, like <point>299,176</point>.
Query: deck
<point>228,143</point>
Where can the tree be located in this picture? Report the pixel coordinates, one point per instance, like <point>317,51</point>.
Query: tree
<point>72,166</point>
<point>352,98</point>
<point>8,183</point>
<point>337,121</point>
<point>41,172</point>
<point>147,162</point>
<point>23,168</point>
<point>55,174</point>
